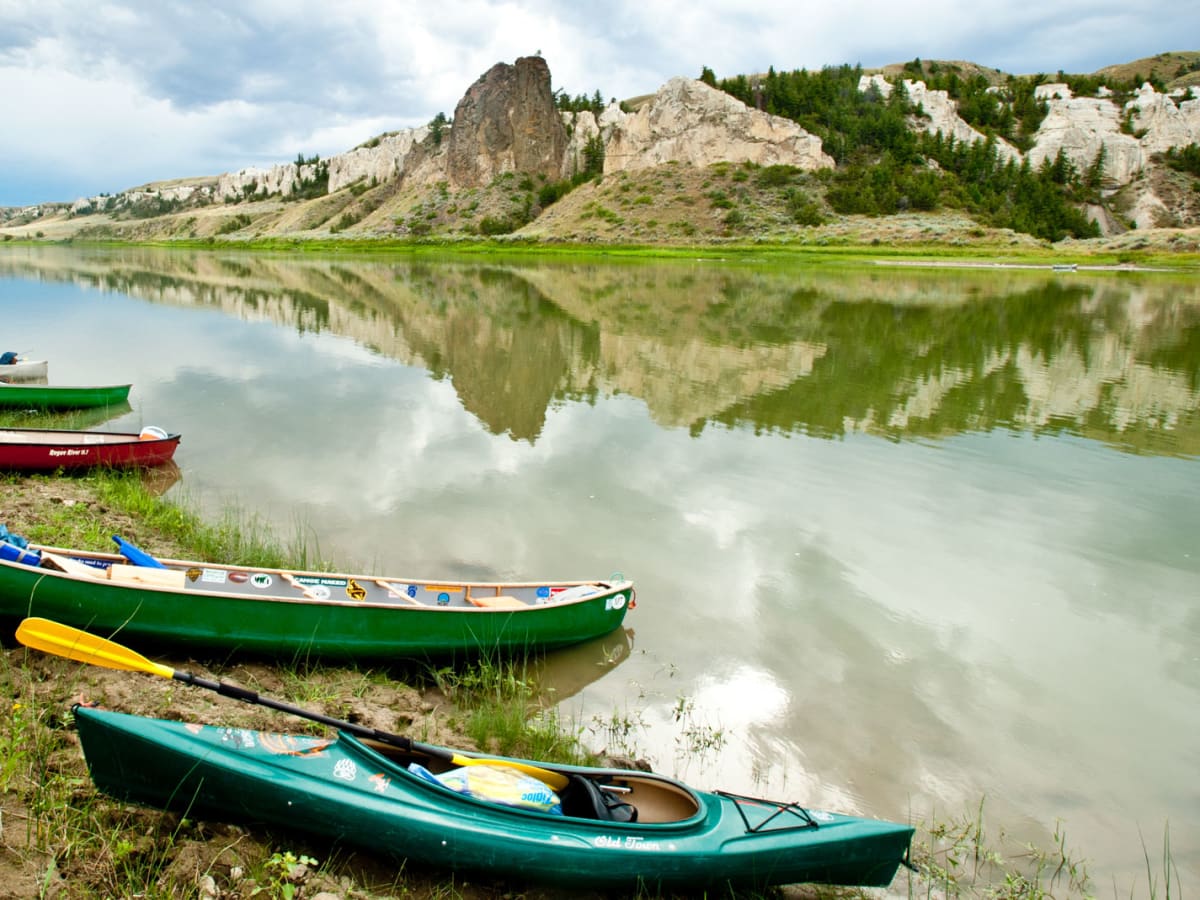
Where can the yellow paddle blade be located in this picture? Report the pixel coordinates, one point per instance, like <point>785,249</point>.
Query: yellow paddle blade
<point>63,640</point>
<point>554,780</point>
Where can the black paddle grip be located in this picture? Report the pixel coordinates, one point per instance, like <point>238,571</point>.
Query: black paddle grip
<point>227,690</point>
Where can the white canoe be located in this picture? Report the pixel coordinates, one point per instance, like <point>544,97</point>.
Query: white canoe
<point>24,370</point>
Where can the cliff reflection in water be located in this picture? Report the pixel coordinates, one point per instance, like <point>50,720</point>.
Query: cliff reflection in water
<point>895,352</point>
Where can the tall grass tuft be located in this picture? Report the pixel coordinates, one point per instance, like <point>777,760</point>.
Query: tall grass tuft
<point>1170,872</point>
<point>496,698</point>
<point>238,537</point>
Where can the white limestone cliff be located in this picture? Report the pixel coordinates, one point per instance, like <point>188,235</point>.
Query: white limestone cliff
<point>180,193</point>
<point>1165,121</point>
<point>692,123</point>
<point>283,179</point>
<point>381,161</point>
<point>941,113</point>
<point>1079,127</point>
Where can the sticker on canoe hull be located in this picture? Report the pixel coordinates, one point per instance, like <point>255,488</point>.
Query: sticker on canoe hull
<point>211,576</point>
<point>293,745</point>
<point>616,601</point>
<point>355,591</point>
<point>310,580</point>
<point>261,580</point>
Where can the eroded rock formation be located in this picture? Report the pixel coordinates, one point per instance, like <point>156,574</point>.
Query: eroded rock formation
<point>690,122</point>
<point>940,113</point>
<point>506,122</point>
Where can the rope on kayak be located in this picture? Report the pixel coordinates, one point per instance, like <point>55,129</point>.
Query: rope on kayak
<point>740,803</point>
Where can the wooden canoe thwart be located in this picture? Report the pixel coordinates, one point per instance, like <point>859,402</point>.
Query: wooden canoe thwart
<point>610,828</point>
<point>46,450</point>
<point>57,396</point>
<point>281,614</point>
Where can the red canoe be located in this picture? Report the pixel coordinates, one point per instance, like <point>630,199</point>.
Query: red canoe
<point>43,449</point>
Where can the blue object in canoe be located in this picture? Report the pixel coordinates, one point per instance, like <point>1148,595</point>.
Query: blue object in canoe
<point>136,555</point>
<point>16,548</point>
<point>18,553</point>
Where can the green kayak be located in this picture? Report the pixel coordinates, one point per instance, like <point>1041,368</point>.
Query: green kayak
<point>605,829</point>
<point>54,396</point>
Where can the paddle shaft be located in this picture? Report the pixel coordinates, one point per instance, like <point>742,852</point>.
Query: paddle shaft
<point>64,640</point>
<point>248,696</point>
<point>555,780</point>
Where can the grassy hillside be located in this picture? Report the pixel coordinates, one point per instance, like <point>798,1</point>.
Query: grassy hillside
<point>1179,69</point>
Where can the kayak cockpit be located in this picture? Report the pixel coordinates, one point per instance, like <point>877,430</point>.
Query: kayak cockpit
<point>612,795</point>
<point>656,800</point>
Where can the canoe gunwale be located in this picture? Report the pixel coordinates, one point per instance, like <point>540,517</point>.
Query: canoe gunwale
<point>607,587</point>
<point>46,437</point>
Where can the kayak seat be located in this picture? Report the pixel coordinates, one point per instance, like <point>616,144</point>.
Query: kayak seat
<point>584,799</point>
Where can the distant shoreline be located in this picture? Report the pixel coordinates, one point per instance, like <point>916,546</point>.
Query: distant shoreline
<point>1065,269</point>
<point>1077,257</point>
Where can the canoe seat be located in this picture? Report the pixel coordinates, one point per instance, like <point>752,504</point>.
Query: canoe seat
<point>70,566</point>
<point>502,602</point>
<point>164,578</point>
<point>582,798</point>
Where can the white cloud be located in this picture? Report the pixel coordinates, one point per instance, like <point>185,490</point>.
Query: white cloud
<point>121,93</point>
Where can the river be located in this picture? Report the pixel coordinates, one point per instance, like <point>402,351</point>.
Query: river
<point>905,541</point>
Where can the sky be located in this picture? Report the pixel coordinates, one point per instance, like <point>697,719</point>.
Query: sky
<point>99,96</point>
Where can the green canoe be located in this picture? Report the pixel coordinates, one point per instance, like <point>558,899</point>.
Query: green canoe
<point>201,606</point>
<point>364,794</point>
<point>55,396</point>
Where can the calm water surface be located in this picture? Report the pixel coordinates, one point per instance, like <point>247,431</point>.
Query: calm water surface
<point>904,541</point>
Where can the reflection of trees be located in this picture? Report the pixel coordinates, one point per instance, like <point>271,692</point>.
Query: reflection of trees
<point>895,352</point>
<point>1051,358</point>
